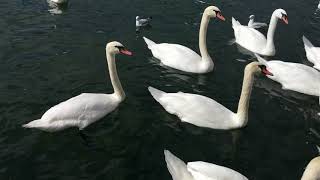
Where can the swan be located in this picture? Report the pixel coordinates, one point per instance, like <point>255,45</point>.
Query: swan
<point>86,108</point>
<point>253,40</point>
<point>313,53</point>
<point>205,112</point>
<point>198,170</point>
<point>182,58</point>
<point>255,25</point>
<point>312,171</point>
<point>294,76</point>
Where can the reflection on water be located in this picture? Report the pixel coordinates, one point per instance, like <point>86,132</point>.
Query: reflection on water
<point>57,8</point>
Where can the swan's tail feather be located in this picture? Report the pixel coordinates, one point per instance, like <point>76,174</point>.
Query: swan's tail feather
<point>235,22</point>
<point>177,168</point>
<point>306,42</point>
<point>155,93</point>
<point>149,42</point>
<point>33,124</point>
<point>261,60</point>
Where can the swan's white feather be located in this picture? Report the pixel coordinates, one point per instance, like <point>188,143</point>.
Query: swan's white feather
<point>79,111</point>
<point>177,168</point>
<point>176,56</point>
<point>312,53</point>
<point>249,37</point>
<point>208,171</point>
<point>196,109</point>
<point>296,77</point>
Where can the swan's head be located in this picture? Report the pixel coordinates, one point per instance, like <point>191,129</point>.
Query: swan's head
<point>258,68</point>
<point>213,11</point>
<point>251,17</point>
<point>281,14</point>
<point>115,47</point>
<point>137,17</point>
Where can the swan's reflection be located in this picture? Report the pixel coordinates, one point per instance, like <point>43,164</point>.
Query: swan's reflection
<point>57,8</point>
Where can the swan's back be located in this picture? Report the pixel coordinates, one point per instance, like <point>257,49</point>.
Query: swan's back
<point>296,77</point>
<point>86,106</point>
<point>312,53</point>
<point>176,167</point>
<point>249,38</point>
<point>312,171</point>
<point>177,56</point>
<point>207,171</point>
<point>196,109</point>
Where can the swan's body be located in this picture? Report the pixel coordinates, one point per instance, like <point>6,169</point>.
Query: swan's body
<point>182,58</point>
<point>59,1</point>
<point>312,53</point>
<point>255,25</point>
<point>254,40</point>
<point>312,171</point>
<point>198,170</point>
<point>86,108</point>
<point>205,112</point>
<point>294,76</point>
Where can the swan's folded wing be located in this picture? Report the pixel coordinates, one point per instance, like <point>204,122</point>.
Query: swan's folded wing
<point>207,171</point>
<point>85,106</point>
<point>176,167</point>
<point>250,38</point>
<point>312,53</point>
<point>198,110</point>
<point>296,77</point>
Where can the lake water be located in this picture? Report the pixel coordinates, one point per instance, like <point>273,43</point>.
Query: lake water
<point>47,58</point>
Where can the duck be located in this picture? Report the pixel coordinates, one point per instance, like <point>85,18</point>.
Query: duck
<point>205,112</point>
<point>254,24</point>
<point>253,40</point>
<point>293,76</point>
<point>82,110</point>
<point>198,170</point>
<point>182,58</point>
<point>312,53</point>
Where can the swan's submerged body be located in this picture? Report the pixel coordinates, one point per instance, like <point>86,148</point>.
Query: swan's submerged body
<point>183,58</point>
<point>255,41</point>
<point>198,170</point>
<point>86,108</point>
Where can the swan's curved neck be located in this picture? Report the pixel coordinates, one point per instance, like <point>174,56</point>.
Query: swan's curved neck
<point>271,31</point>
<point>243,106</point>
<point>203,37</point>
<point>118,91</point>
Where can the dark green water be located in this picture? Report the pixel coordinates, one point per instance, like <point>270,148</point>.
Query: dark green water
<point>46,59</point>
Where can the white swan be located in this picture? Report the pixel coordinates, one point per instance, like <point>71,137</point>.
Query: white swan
<point>312,53</point>
<point>183,58</point>
<point>255,41</point>
<point>205,112</point>
<point>86,108</point>
<point>294,76</point>
<point>312,171</point>
<point>198,170</point>
<point>255,25</point>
